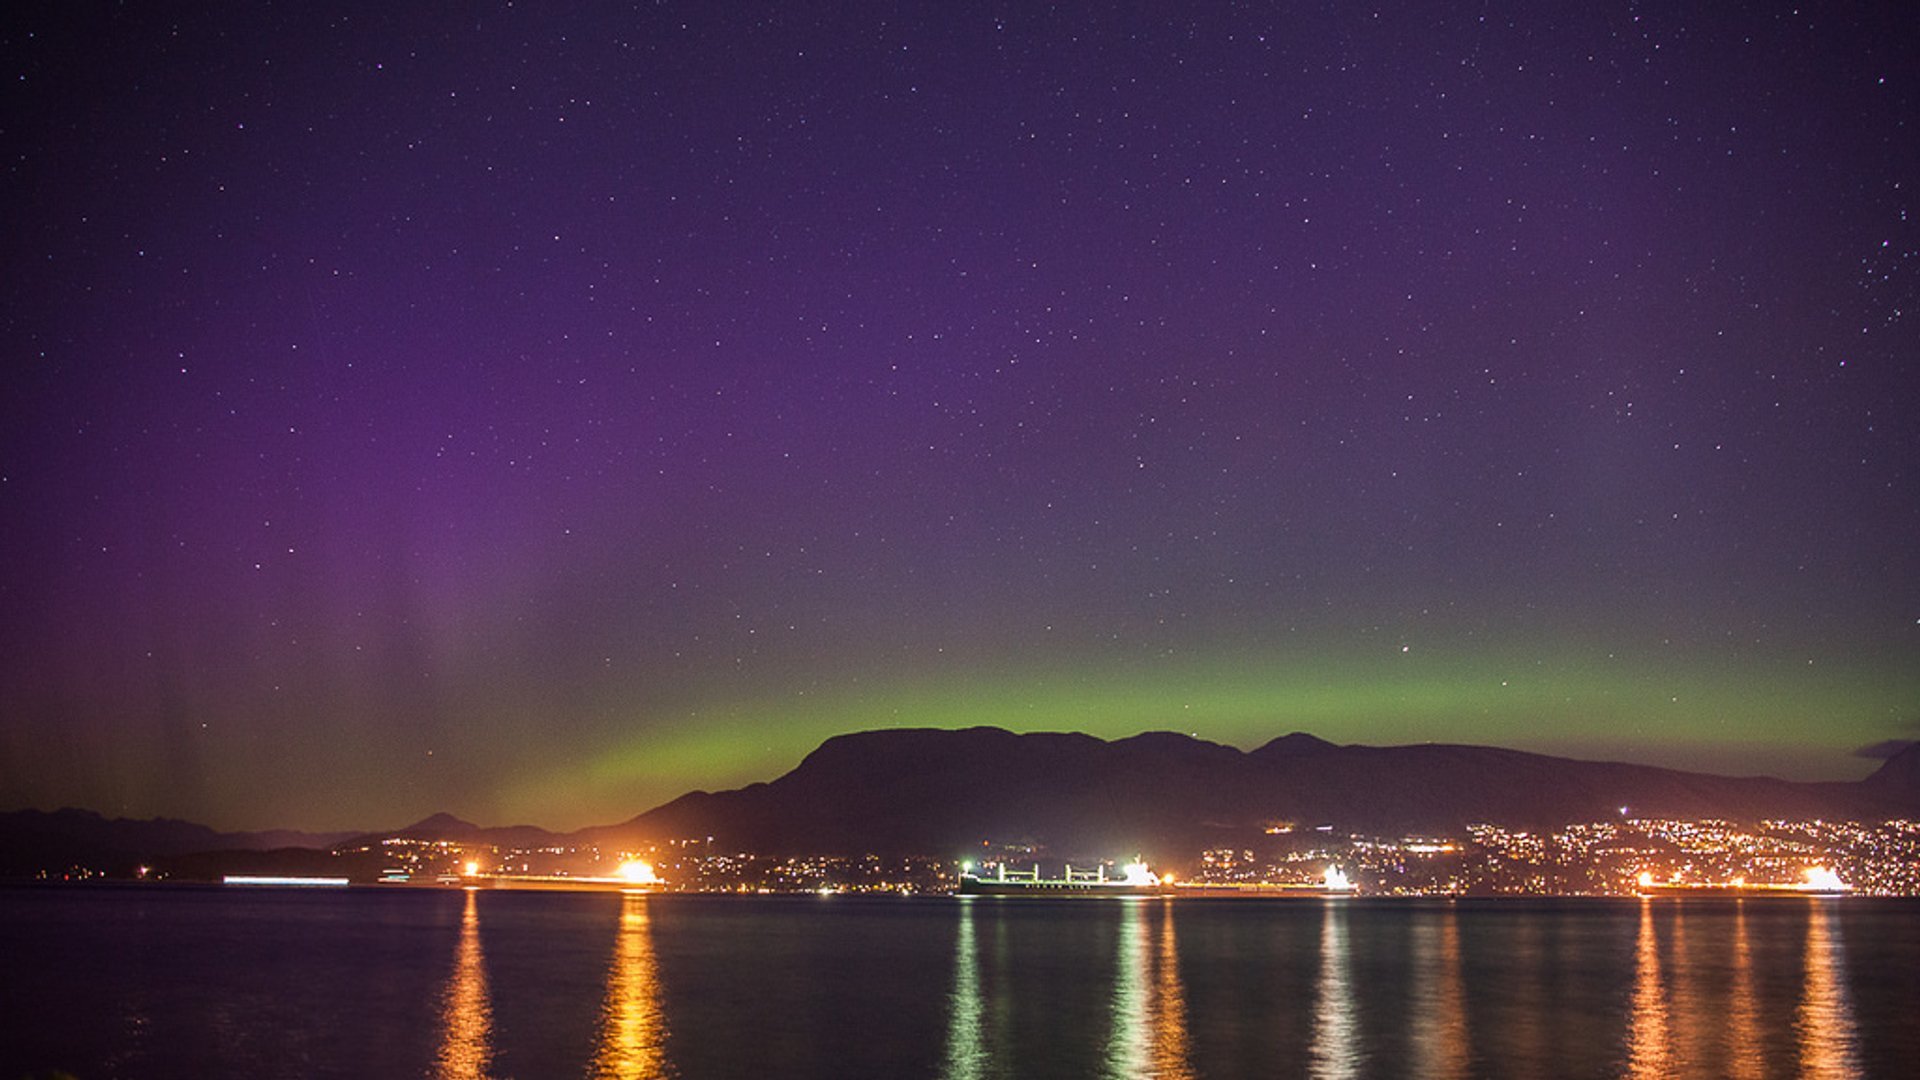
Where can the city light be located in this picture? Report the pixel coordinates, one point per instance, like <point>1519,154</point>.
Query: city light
<point>1609,857</point>
<point>1825,880</point>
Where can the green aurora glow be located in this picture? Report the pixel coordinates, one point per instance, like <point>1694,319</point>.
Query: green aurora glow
<point>1797,720</point>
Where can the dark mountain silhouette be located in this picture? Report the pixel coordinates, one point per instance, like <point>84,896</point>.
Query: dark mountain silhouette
<point>1901,772</point>
<point>32,841</point>
<point>1165,795</point>
<point>943,792</point>
<point>447,827</point>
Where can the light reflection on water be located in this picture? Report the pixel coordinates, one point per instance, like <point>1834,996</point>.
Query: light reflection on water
<point>1128,1042</point>
<point>1441,1046</point>
<point>1673,1020</point>
<point>1170,1050</point>
<point>1693,1008</point>
<point>1649,1050</point>
<point>1149,1034</point>
<point>966,1056</point>
<point>466,1014</point>
<point>633,1024</point>
<point>1516,1032</point>
<point>185,983</point>
<point>1334,1053</point>
<point>1825,1021</point>
<point>1746,1056</point>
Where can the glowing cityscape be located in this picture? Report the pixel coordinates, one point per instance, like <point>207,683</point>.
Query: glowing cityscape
<point>1627,857</point>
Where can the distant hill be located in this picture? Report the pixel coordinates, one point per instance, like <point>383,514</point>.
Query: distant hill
<point>939,791</point>
<point>35,840</point>
<point>448,827</point>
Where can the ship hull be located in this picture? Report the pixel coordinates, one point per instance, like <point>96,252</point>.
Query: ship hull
<point>1059,889</point>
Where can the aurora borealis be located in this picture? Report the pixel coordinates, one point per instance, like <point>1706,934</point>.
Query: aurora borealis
<point>535,416</point>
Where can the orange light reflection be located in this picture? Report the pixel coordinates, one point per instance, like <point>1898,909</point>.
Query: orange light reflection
<point>1170,1050</point>
<point>1149,1037</point>
<point>1440,1015</point>
<point>1649,1051</point>
<point>1828,1041</point>
<point>1746,1056</point>
<point>466,1016</point>
<point>633,1024</point>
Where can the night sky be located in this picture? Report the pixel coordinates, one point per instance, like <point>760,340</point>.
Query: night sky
<point>536,416</point>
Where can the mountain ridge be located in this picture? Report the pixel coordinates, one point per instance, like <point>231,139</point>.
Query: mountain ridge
<point>935,791</point>
<point>927,790</point>
<point>32,841</point>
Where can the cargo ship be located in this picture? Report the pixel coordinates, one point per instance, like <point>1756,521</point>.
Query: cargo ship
<point>1135,880</point>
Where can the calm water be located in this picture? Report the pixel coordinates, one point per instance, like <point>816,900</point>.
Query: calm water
<point>163,982</point>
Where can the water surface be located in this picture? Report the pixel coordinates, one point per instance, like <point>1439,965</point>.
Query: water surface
<point>186,981</point>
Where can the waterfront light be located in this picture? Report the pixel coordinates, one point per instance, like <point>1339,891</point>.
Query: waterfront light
<point>1337,880</point>
<point>472,868</point>
<point>1136,873</point>
<point>1825,880</point>
<point>638,872</point>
